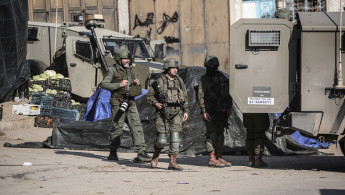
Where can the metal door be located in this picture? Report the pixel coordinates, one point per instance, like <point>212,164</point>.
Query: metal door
<point>82,69</point>
<point>259,64</point>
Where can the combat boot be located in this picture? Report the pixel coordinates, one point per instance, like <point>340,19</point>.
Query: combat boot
<point>259,163</point>
<point>143,157</point>
<point>154,161</point>
<point>213,162</point>
<point>221,160</point>
<point>173,165</point>
<point>251,159</point>
<point>113,155</point>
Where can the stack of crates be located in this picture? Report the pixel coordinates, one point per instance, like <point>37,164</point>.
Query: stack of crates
<point>65,115</point>
<point>47,103</point>
<point>47,121</point>
<point>36,97</point>
<point>81,109</point>
<point>62,100</point>
<point>63,87</point>
<point>60,84</point>
<point>43,83</point>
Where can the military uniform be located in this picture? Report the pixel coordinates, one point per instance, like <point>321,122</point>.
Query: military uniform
<point>215,102</point>
<point>256,125</point>
<point>130,115</point>
<point>176,105</point>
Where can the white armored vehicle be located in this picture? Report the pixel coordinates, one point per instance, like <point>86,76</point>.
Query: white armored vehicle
<point>278,67</point>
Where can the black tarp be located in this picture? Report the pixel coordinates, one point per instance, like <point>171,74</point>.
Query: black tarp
<point>94,135</point>
<point>14,69</point>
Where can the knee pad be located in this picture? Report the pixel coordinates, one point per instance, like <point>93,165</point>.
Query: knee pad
<point>175,140</point>
<point>161,140</point>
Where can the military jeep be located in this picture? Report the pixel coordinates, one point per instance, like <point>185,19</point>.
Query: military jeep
<point>83,52</point>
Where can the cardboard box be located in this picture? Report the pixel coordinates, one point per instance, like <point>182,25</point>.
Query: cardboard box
<point>26,109</point>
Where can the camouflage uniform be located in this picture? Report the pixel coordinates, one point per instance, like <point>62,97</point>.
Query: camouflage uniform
<point>175,94</point>
<point>111,82</point>
<point>215,101</point>
<point>256,125</point>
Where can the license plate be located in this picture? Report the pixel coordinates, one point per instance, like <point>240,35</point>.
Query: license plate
<point>260,101</point>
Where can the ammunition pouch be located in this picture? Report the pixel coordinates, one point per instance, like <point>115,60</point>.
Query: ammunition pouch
<point>173,90</point>
<point>134,90</point>
<point>174,96</point>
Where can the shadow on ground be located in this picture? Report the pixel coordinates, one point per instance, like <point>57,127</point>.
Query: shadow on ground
<point>314,163</point>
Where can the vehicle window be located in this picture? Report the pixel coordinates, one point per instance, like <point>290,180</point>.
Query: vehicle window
<point>33,34</point>
<point>136,47</point>
<point>83,51</point>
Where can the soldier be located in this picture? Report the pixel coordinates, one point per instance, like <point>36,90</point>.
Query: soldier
<point>256,125</point>
<point>169,95</point>
<point>121,82</point>
<point>215,103</point>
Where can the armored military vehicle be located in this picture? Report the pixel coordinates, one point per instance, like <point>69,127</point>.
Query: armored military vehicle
<point>82,51</point>
<point>278,67</point>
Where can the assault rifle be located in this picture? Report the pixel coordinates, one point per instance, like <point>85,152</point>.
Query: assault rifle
<point>160,98</point>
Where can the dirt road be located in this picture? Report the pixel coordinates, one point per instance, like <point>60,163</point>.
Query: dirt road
<point>88,172</point>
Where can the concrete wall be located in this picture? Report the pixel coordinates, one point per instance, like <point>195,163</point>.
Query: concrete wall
<point>192,28</point>
<point>45,10</point>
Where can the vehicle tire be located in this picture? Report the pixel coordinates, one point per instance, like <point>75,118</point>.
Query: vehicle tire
<point>36,67</point>
<point>59,62</point>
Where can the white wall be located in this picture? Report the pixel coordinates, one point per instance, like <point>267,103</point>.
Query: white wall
<point>334,5</point>
<point>250,10</point>
<point>235,10</point>
<point>123,16</point>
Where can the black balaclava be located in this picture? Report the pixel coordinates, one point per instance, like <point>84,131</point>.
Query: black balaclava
<point>211,64</point>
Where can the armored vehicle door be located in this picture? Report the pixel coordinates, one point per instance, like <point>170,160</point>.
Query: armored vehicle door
<point>259,65</point>
<point>81,66</point>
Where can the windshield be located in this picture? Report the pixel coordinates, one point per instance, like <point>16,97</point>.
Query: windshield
<point>136,47</point>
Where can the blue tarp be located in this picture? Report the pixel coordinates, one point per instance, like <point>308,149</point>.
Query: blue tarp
<point>309,142</point>
<point>98,106</point>
<point>306,141</point>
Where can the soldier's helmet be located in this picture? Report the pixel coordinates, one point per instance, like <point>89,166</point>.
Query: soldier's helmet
<point>211,62</point>
<point>122,53</point>
<point>170,63</point>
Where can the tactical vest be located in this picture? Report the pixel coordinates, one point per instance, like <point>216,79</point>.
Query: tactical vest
<point>173,91</point>
<point>134,88</point>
